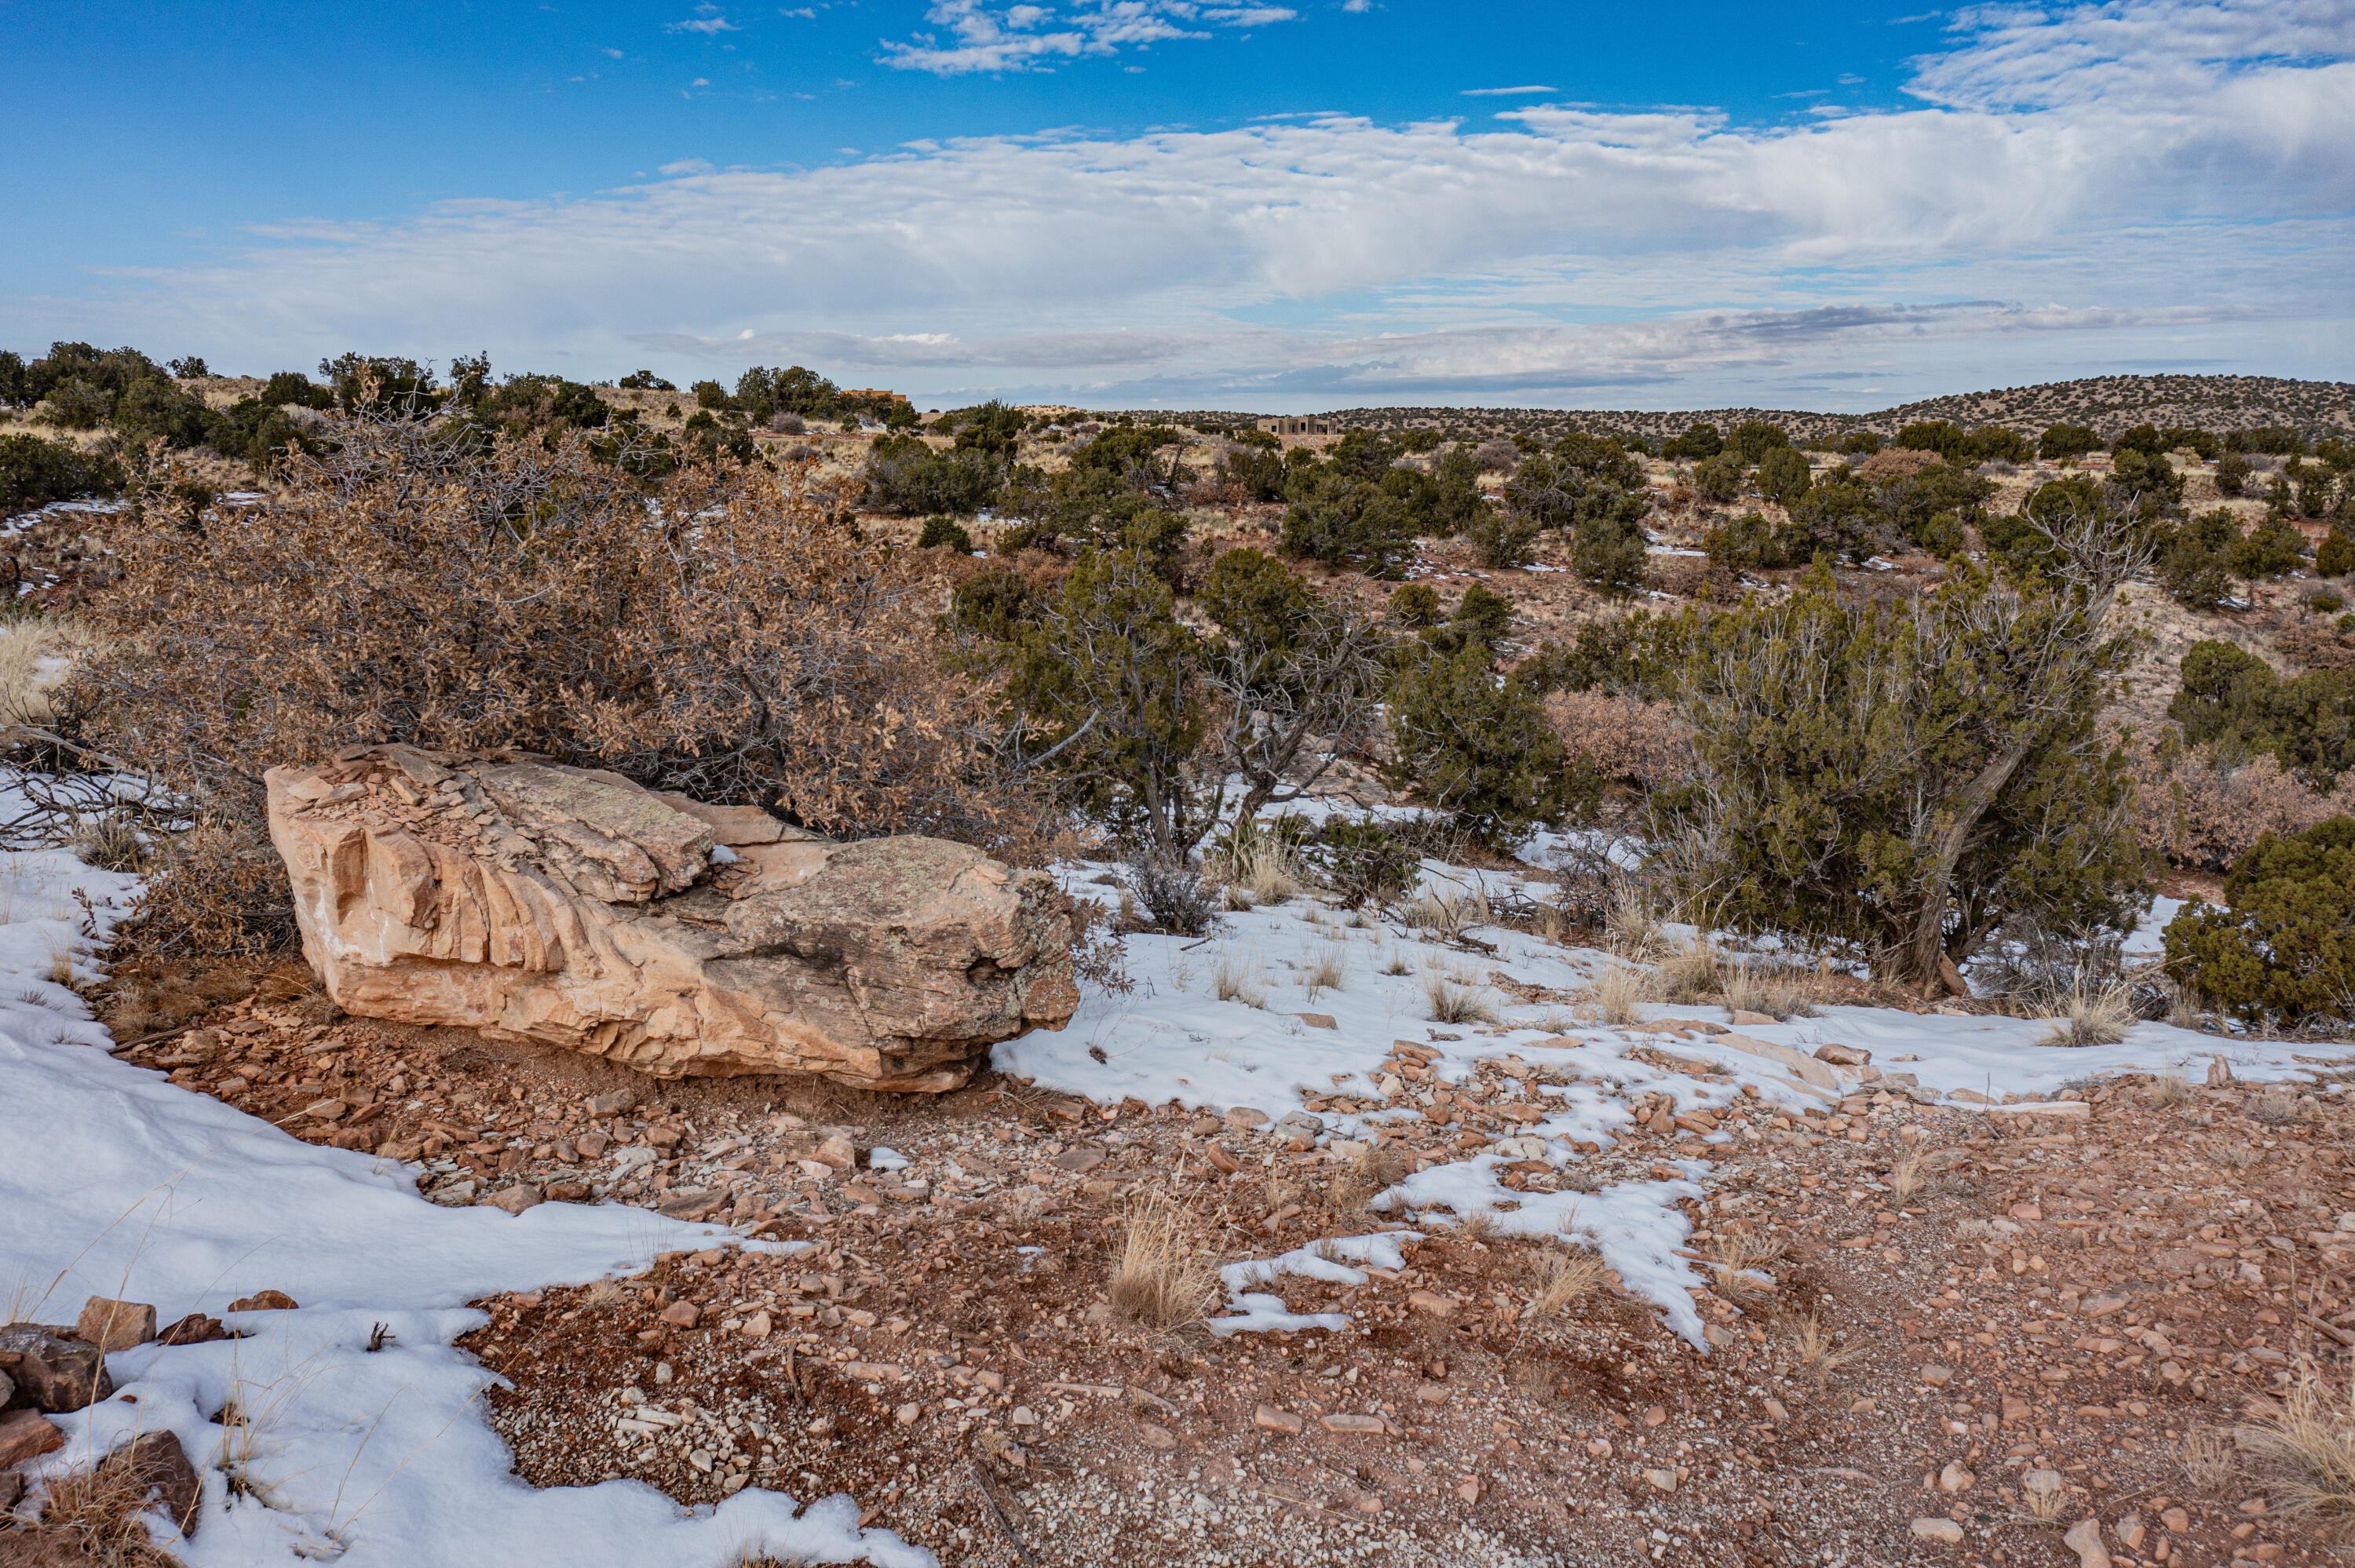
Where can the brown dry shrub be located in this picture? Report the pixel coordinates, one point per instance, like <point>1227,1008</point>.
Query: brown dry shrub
<point>1626,740</point>
<point>1897,462</point>
<point>722,631</point>
<point>2208,817</point>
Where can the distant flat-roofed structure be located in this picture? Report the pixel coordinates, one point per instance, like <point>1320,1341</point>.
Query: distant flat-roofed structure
<point>1294,425</point>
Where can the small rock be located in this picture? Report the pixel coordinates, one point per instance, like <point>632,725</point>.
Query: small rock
<point>591,1145</point>
<point>1775,1409</point>
<point>568,1192</point>
<point>2084,1539</point>
<point>2176,1520</point>
<point>1598,1448</point>
<point>115,1325</point>
<point>264,1302</point>
<point>2131,1530</point>
<point>1662,1481</point>
<point>1469,1488</point>
<point>515,1200</point>
<point>2220,1073</point>
<point>196,1329</point>
<point>1431,1392</point>
<point>1430,1304</point>
<point>1223,1163</point>
<point>1956,1478</point>
<point>2040,1483</point>
<point>157,1463</point>
<point>1319,1021</point>
<point>1944,1530</point>
<point>1936,1376</point>
<point>56,1372</point>
<point>759,1326</point>
<point>1656,1415</point>
<point>908,1413</point>
<point>1242,1119</point>
<point>1843,1055</point>
<point>1863,1406</point>
<point>28,1435</point>
<point>1024,1416</point>
<point>613,1104</point>
<point>681,1314</point>
<point>1268,1418</point>
<point>1745,1019</point>
<point>1087,1157</point>
<point>1343,1421</point>
<point>1155,1436</point>
<point>2102,1306</point>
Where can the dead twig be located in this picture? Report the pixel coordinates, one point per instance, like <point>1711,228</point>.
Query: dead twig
<point>998,1513</point>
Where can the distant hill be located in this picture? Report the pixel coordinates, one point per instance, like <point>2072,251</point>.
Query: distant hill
<point>2108,403</point>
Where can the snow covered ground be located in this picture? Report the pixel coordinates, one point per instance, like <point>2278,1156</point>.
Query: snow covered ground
<point>1173,1037</point>
<point>115,1182</point>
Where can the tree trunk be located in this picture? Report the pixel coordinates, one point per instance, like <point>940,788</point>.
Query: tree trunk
<point>1923,951</point>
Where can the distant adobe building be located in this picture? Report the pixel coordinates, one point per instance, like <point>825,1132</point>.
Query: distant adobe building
<point>1294,425</point>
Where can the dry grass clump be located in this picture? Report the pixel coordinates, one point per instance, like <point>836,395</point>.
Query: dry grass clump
<point>2276,1106</point>
<point>2090,1013</point>
<point>1568,1278</point>
<point>103,1511</point>
<point>1326,968</point>
<point>1261,867</point>
<point>2208,1460</point>
<point>1617,990</point>
<point>1905,1176</point>
<point>2169,1089</point>
<point>1446,915</point>
<point>2306,1448</point>
<point>1161,1276</point>
<point>1692,973</point>
<point>1819,1351</point>
<point>1240,977</point>
<point>35,651</point>
<point>1631,926</point>
<point>1456,995</point>
<point>1734,1256</point>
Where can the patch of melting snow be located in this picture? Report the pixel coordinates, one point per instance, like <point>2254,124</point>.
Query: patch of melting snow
<point>120,1183</point>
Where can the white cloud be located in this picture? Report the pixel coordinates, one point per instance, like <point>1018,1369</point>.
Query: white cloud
<point>2173,211</point>
<point>986,37</point>
<point>1505,91</point>
<point>707,21</point>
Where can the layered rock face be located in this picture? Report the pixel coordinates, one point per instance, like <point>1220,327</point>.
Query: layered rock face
<point>573,907</point>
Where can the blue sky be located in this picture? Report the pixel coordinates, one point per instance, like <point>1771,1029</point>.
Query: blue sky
<point>1132,202</point>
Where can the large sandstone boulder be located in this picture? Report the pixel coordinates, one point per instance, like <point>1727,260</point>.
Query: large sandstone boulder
<point>573,907</point>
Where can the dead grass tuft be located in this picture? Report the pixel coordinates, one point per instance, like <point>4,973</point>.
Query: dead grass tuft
<point>2208,1460</point>
<point>1734,1256</point>
<point>1161,1276</point>
<point>1819,1351</point>
<point>1617,990</point>
<point>1569,1279</point>
<point>1905,1176</point>
<point>1458,995</point>
<point>2308,1447</point>
<point>1631,926</point>
<point>1326,968</point>
<point>1238,977</point>
<point>103,1511</point>
<point>2090,1013</point>
<point>2169,1089</point>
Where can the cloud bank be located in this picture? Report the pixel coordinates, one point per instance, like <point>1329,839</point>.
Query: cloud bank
<point>2098,186</point>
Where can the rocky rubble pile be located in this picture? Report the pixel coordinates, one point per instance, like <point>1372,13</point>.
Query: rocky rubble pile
<point>571,907</point>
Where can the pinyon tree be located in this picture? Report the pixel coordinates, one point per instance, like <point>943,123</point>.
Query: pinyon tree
<point>1904,778</point>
